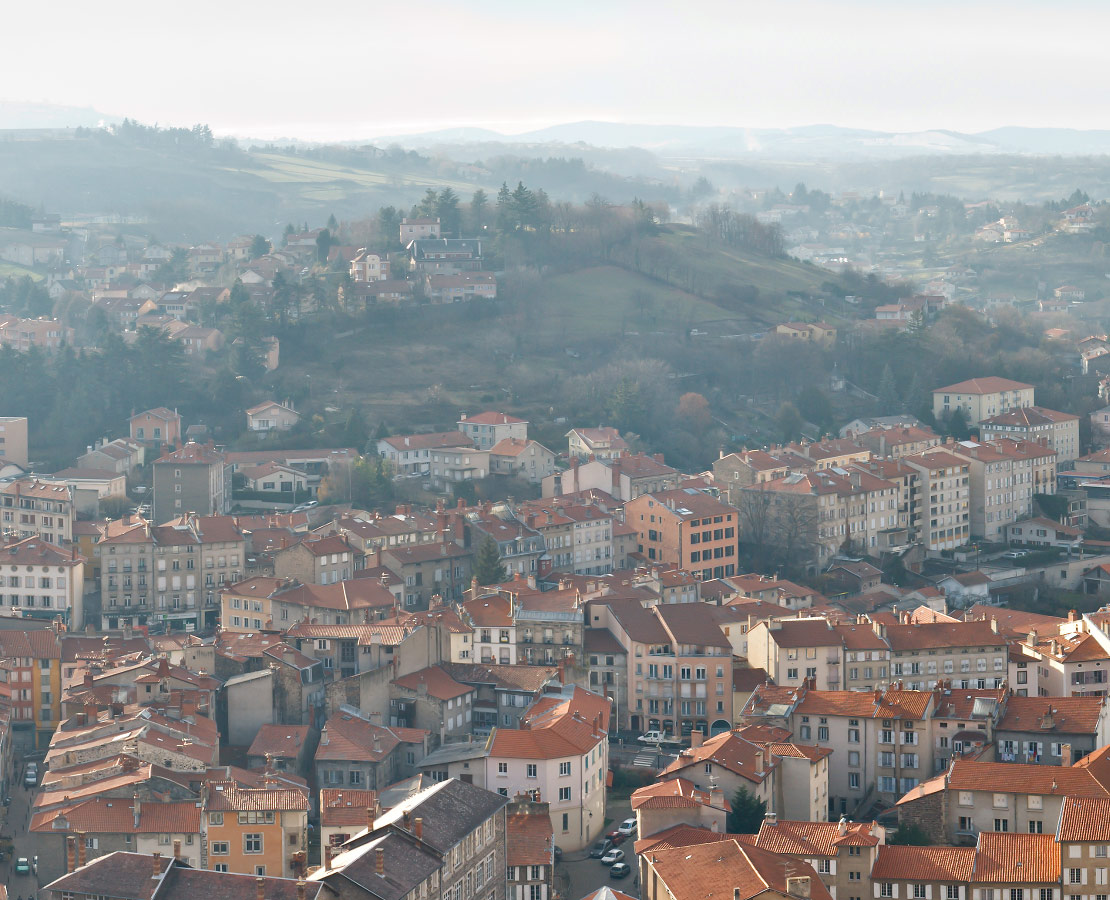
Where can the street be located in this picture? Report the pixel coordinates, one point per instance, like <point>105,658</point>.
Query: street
<point>17,818</point>
<point>578,875</point>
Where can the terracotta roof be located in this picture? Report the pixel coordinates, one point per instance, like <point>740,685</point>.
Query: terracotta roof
<point>727,869</point>
<point>489,612</point>
<point>1008,857</point>
<point>813,838</point>
<point>1029,416</point>
<point>436,681</point>
<point>942,635</point>
<point>978,775</point>
<point>674,793</point>
<point>492,418</point>
<point>1053,715</point>
<point>683,836</point>
<point>729,750</point>
<point>34,551</point>
<point>437,440</point>
<point>555,727</point>
<point>229,796</point>
<point>347,737</point>
<point>990,384</point>
<point>1084,819</point>
<point>907,863</point>
<point>805,633</point>
<point>797,751</point>
<point>530,679</point>
<point>345,806</point>
<point>692,623</point>
<point>279,741</point>
<point>1014,621</point>
<point>762,734</point>
<point>528,839</point>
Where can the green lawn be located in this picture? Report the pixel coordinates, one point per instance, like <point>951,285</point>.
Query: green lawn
<point>11,270</point>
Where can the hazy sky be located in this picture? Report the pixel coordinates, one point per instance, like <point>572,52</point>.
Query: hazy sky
<point>340,69</point>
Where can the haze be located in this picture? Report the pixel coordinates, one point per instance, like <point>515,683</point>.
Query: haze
<point>350,70</point>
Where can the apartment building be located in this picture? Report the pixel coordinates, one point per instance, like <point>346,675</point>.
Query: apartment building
<point>881,738</point>
<point>411,454</point>
<point>281,603</point>
<point>969,654</point>
<point>679,664</point>
<point>359,754</point>
<point>623,477</point>
<point>729,762</point>
<point>169,573</point>
<point>487,429</point>
<point>899,441</point>
<point>40,580</point>
<point>434,843</point>
<point>255,831</point>
<point>981,398</point>
<point>813,515</point>
<point>530,850</point>
<point>196,478</point>
<point>945,520</point>
<point>560,756</point>
<point>13,441</point>
<point>579,537</point>
<point>33,508</point>
<point>992,505</point>
<point>1052,663</point>
<point>1058,431</point>
<point>602,443</point>
<point>32,659</point>
<point>688,529</point>
<point>316,559</point>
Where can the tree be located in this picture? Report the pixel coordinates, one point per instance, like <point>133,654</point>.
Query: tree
<point>479,211</point>
<point>259,247</point>
<point>324,242</point>
<point>488,568</point>
<point>789,421</point>
<point>956,425</point>
<point>447,209</point>
<point>356,432</point>
<point>746,815</point>
<point>887,392</point>
<point>693,410</point>
<point>913,835</point>
<point>814,405</point>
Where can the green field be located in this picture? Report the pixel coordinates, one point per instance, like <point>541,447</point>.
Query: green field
<point>11,270</point>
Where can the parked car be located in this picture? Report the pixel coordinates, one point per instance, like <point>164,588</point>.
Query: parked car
<point>600,848</point>
<point>22,867</point>
<point>1015,554</point>
<point>619,870</point>
<point>657,737</point>
<point>615,837</point>
<point>31,779</point>
<point>627,827</point>
<point>615,855</point>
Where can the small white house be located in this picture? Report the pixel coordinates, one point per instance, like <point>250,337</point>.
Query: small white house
<point>275,478</point>
<point>271,416</point>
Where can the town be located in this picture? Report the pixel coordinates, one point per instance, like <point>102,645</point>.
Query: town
<point>579,513</point>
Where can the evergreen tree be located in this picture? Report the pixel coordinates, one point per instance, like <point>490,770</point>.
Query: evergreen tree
<point>356,432</point>
<point>887,392</point>
<point>479,210</point>
<point>789,421</point>
<point>259,247</point>
<point>746,816</point>
<point>488,568</point>
<point>447,208</point>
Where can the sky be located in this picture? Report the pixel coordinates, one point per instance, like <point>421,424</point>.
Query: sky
<point>353,70</point>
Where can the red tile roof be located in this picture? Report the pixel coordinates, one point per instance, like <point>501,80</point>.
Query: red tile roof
<point>906,863</point>
<point>729,750</point>
<point>1055,715</point>
<point>1085,819</point>
<point>231,797</point>
<point>674,793</point>
<point>279,741</point>
<point>555,727</point>
<point>1006,857</point>
<point>990,384</point>
<point>813,838</point>
<point>528,839</point>
<point>345,806</point>
<point>436,681</point>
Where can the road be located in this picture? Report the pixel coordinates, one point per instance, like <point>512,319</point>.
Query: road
<point>578,875</point>
<point>46,847</point>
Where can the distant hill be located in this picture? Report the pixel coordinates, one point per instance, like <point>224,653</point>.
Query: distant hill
<point>811,142</point>
<point>15,115</point>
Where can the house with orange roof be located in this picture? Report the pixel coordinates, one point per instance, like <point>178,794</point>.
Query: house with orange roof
<point>675,801</point>
<point>1066,660</point>
<point>411,454</point>
<point>841,852</point>
<point>255,831</point>
<point>729,762</point>
<point>974,796</point>
<point>46,581</point>
<point>529,848</point>
<point>271,416</point>
<point>487,429</point>
<point>727,868</point>
<point>431,700</point>
<point>521,458</point>
<point>981,398</point>
<point>357,752</point>
<point>1052,731</point>
<point>318,559</point>
<point>560,756</point>
<point>602,442</point>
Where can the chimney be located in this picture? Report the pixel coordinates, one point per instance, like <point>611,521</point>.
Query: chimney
<point>696,738</point>
<point>796,886</point>
<point>406,821</point>
<point>716,797</point>
<point>1065,755</point>
<point>771,818</point>
<point>736,894</point>
<point>260,888</point>
<point>1032,637</point>
<point>994,625</point>
<point>327,856</point>
<point>156,864</point>
<point>136,808</point>
<point>1073,615</point>
<point>370,818</point>
<point>379,861</point>
<point>842,826</point>
<point>71,853</point>
<point>418,824</point>
<point>301,890</point>
<point>177,849</point>
<point>81,848</point>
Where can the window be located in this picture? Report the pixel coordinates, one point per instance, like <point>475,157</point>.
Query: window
<point>564,768</point>
<point>919,891</point>
<point>886,889</point>
<point>824,866</point>
<point>853,780</point>
<point>220,867</point>
<point>1001,824</point>
<point>502,768</point>
<point>953,892</point>
<point>564,793</point>
<point>216,818</point>
<point>220,848</point>
<point>1075,876</point>
<point>530,770</point>
<point>1036,826</point>
<point>252,843</point>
